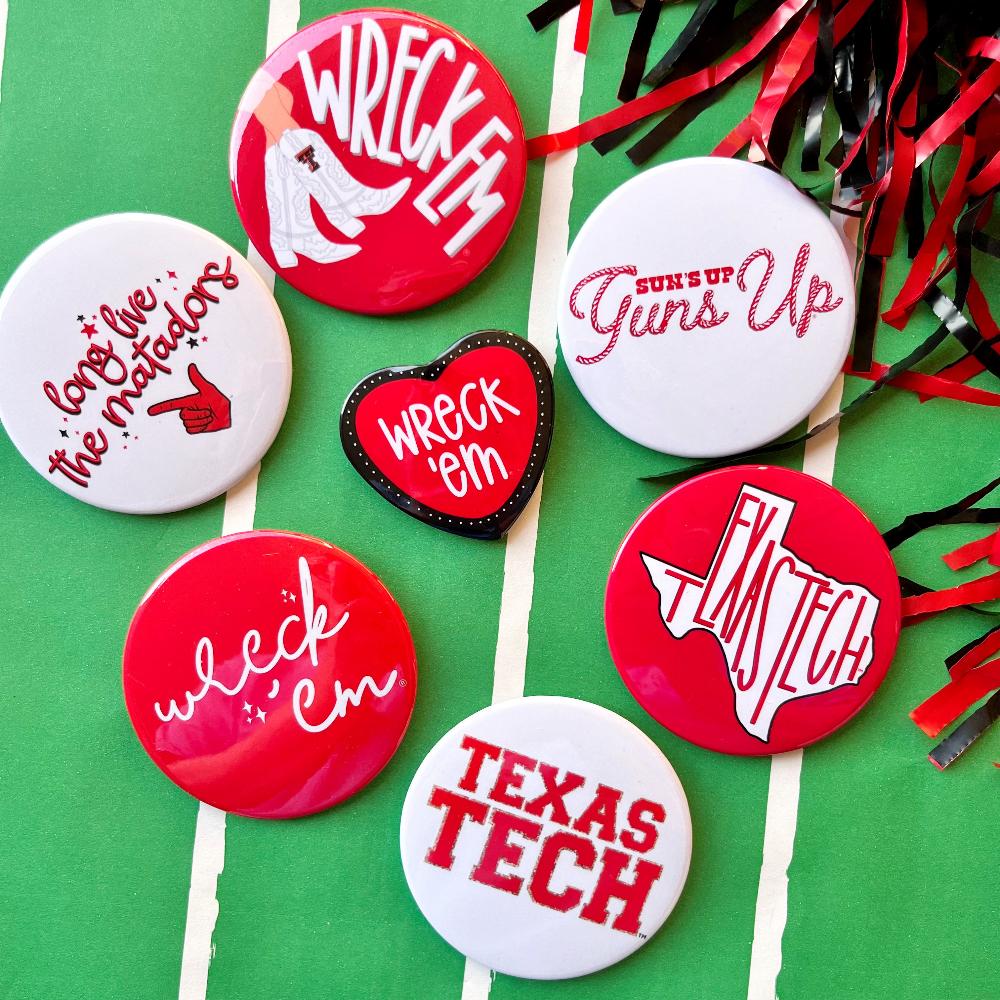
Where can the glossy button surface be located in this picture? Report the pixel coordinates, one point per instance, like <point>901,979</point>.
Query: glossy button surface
<point>753,610</point>
<point>545,837</point>
<point>706,307</point>
<point>269,674</point>
<point>377,161</point>
<point>144,366</point>
<point>458,443</point>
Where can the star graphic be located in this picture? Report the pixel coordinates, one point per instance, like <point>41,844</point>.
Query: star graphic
<point>65,434</point>
<point>89,329</point>
<point>171,274</point>
<point>247,707</point>
<point>261,715</point>
<point>79,318</point>
<point>191,342</point>
<point>284,594</point>
<point>291,597</point>
<point>125,434</point>
<point>204,340</point>
<point>158,281</point>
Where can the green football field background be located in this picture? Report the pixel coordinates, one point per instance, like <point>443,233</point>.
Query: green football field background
<point>126,105</point>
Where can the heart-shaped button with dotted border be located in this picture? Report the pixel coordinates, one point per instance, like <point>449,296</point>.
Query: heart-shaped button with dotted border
<point>458,443</point>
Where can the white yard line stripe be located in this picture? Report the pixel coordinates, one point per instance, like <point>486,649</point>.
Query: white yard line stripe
<point>282,22</point>
<point>477,981</point>
<point>551,248</point>
<point>208,855</point>
<point>786,769</point>
<point>515,603</point>
<point>3,37</point>
<point>772,890</point>
<point>241,504</point>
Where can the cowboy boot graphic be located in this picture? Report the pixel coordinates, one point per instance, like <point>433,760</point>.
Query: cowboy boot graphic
<point>299,166</point>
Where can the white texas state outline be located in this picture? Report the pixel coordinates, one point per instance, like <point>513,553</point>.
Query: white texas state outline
<point>786,630</point>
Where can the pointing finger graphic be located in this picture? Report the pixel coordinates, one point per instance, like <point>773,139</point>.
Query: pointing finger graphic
<point>204,410</point>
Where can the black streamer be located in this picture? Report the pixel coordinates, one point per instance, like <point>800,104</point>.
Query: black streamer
<point>954,745</point>
<point>681,117</point>
<point>962,330</point>
<point>869,296</point>
<point>992,342</point>
<point>911,359</point>
<point>659,73</point>
<point>913,524</point>
<point>781,137</point>
<point>968,647</point>
<point>986,243</point>
<point>638,50</point>
<point>852,71</point>
<point>819,87</point>
<point>678,119</point>
<point>550,11</point>
<point>967,225</point>
<point>922,61</point>
<point>974,515</point>
<point>913,213</point>
<point>720,32</point>
<point>952,323</point>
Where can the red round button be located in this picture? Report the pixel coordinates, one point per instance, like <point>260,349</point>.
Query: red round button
<point>269,674</point>
<point>753,610</point>
<point>377,161</point>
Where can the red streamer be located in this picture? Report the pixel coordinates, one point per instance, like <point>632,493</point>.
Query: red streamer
<point>986,588</point>
<point>970,553</point>
<point>899,177</point>
<point>968,103</point>
<point>921,273</point>
<point>672,93</point>
<point>581,39</point>
<point>970,366</point>
<point>927,386</point>
<point>989,645</point>
<point>791,70</point>
<point>987,178</point>
<point>845,22</point>
<point>956,697</point>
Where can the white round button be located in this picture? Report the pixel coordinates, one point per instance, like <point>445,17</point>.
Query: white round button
<point>545,838</point>
<point>706,307</point>
<point>144,365</point>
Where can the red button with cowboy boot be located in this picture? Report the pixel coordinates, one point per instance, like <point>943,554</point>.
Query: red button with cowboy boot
<point>269,674</point>
<point>377,161</point>
<point>753,610</point>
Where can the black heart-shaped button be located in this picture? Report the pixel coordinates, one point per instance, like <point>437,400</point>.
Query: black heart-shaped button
<point>458,443</point>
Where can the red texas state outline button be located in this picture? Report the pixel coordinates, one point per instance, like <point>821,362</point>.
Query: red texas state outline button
<point>753,610</point>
